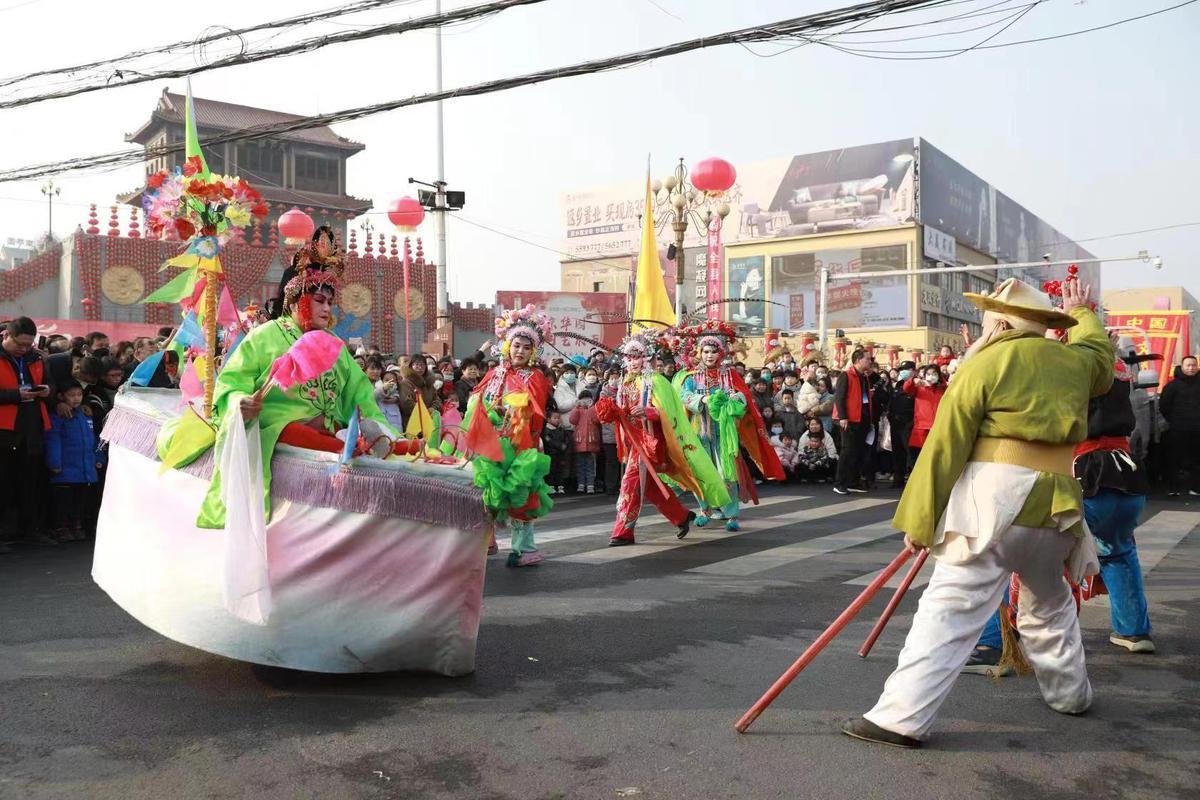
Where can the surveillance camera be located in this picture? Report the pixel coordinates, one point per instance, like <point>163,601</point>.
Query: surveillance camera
<point>1045,256</point>
<point>1157,262</point>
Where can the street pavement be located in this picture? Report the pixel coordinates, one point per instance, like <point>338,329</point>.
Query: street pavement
<point>603,673</point>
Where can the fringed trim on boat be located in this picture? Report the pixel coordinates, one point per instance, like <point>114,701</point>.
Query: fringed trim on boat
<point>359,487</point>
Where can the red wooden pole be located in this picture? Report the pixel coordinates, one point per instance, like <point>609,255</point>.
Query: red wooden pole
<point>824,639</point>
<point>893,603</point>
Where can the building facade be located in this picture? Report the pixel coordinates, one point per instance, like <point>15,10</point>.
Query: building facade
<point>897,205</point>
<point>301,169</point>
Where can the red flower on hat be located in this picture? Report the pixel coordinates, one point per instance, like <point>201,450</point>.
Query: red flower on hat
<point>155,181</point>
<point>192,166</point>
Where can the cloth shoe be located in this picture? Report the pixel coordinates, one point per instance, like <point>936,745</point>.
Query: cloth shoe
<point>687,525</point>
<point>701,520</point>
<point>732,526</point>
<point>618,541</point>
<point>870,732</point>
<point>1134,644</point>
<point>591,490</point>
<point>530,559</point>
<point>840,490</point>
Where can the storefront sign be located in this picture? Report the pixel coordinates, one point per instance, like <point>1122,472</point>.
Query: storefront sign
<point>1166,334</point>
<point>939,246</point>
<point>714,259</point>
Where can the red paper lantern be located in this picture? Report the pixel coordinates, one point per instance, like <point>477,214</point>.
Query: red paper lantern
<point>405,213</point>
<point>296,227</point>
<point>713,175</point>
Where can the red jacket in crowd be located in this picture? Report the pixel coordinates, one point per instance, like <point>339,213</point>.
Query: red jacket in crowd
<point>10,384</point>
<point>587,429</point>
<point>927,400</point>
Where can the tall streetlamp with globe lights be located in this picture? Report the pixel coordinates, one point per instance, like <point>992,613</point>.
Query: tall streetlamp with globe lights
<point>695,196</point>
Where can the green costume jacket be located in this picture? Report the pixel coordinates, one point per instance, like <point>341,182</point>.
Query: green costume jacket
<point>1020,386</point>
<point>331,396</point>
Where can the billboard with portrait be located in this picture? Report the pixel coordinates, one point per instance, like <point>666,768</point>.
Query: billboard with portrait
<point>746,280</point>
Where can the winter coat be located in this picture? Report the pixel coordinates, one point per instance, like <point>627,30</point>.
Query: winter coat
<point>793,421</point>
<point>463,388</point>
<point>71,448</point>
<point>1180,402</point>
<point>762,399</point>
<point>565,398</point>
<point>413,385</point>
<point>788,455</point>
<point>587,429</point>
<point>388,401</point>
<point>926,400</point>
<point>807,397</point>
<point>556,442</point>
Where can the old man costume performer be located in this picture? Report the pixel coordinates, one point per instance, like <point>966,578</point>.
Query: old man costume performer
<point>653,436</point>
<point>504,427</point>
<point>726,419</point>
<point>994,494</point>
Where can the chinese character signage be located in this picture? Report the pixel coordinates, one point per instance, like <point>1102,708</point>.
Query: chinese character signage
<point>940,246</point>
<point>596,315</point>
<point>1166,335</point>
<point>714,259</point>
<point>857,303</point>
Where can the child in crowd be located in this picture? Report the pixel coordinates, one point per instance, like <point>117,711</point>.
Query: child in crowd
<point>73,459</point>
<point>587,441</point>
<point>556,443</point>
<point>387,395</point>
<point>789,456</point>
<point>818,457</point>
<point>613,468</point>
<point>789,414</point>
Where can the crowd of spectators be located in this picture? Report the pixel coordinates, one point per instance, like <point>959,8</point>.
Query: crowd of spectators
<point>852,428</point>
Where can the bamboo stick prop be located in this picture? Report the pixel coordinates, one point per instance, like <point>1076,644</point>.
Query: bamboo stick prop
<point>893,603</point>
<point>210,335</point>
<point>822,641</point>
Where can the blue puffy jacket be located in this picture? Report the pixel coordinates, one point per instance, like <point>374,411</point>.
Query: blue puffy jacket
<point>72,448</point>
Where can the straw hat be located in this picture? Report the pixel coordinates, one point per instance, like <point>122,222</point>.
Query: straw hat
<point>1016,298</point>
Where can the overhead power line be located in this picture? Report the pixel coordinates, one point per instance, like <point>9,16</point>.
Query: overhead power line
<point>118,77</point>
<point>810,23</point>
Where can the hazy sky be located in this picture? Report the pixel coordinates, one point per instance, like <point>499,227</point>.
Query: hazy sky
<point>1096,134</point>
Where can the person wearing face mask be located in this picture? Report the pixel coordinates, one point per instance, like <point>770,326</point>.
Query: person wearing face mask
<point>926,393</point>
<point>900,416</point>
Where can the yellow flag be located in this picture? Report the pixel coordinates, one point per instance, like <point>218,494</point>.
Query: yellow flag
<point>651,306</point>
<point>420,423</point>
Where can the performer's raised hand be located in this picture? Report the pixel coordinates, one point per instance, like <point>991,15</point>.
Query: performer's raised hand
<point>637,412</point>
<point>1075,294</point>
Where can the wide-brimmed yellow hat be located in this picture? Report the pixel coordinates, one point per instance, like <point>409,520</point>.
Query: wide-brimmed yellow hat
<point>1018,299</point>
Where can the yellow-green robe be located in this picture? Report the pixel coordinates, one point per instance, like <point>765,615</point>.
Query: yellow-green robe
<point>331,396</point>
<point>1020,386</point>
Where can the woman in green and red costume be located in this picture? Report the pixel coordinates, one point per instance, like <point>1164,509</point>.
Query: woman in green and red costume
<point>726,419</point>
<point>653,436</point>
<point>504,439</point>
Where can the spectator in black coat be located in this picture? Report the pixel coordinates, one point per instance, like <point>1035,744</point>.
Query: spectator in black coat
<point>1180,404</point>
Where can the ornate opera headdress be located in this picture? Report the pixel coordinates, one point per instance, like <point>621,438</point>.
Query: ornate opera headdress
<point>715,333</point>
<point>650,344</point>
<point>527,323</point>
<point>317,265</point>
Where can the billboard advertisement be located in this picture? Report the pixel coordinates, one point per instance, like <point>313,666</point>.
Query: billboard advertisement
<point>876,303</point>
<point>959,203</point>
<point>868,186</point>
<point>747,284</point>
<point>1166,334</point>
<point>596,315</point>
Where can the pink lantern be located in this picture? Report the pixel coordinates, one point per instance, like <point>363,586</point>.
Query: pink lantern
<point>296,227</point>
<point>713,175</point>
<point>406,214</point>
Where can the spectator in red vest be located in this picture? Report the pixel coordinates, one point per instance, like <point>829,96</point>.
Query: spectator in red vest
<point>24,419</point>
<point>926,391</point>
<point>853,413</point>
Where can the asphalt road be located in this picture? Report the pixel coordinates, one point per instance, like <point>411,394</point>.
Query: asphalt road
<point>596,678</point>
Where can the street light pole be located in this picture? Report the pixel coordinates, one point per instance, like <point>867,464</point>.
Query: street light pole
<point>51,191</point>
<point>439,214</point>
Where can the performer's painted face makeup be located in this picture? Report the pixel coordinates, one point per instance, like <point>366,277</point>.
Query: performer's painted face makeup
<point>314,310</point>
<point>710,356</point>
<point>519,351</point>
<point>635,362</point>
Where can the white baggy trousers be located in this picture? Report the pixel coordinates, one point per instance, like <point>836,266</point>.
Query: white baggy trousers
<point>956,606</point>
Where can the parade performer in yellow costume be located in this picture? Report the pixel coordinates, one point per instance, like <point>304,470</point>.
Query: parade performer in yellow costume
<point>993,493</point>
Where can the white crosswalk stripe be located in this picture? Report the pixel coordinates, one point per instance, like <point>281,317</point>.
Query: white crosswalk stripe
<point>654,522</point>
<point>1156,537</point>
<point>775,557</point>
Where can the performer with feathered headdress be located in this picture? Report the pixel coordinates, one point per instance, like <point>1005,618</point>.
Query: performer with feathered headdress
<point>308,414</point>
<point>725,418</point>
<point>503,426</point>
<point>653,436</point>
